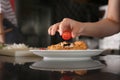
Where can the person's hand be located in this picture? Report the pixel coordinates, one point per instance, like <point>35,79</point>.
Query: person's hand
<point>2,35</point>
<point>2,38</point>
<point>67,25</point>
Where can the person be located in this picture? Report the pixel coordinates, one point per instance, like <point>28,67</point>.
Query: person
<point>102,28</point>
<point>1,28</point>
<point>9,31</point>
<point>105,27</point>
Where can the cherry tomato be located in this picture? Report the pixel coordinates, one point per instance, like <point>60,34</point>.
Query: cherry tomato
<point>66,35</point>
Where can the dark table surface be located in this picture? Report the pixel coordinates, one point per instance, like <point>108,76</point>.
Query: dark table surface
<point>17,68</point>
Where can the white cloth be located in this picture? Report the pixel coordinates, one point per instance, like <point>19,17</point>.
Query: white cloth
<point>111,42</point>
<point>7,11</point>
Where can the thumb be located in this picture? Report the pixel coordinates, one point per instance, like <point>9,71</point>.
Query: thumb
<point>74,33</point>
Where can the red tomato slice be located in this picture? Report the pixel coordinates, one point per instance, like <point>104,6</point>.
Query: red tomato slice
<point>66,35</point>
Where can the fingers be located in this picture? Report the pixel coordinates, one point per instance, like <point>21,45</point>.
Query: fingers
<point>60,27</point>
<point>75,28</point>
<point>64,25</point>
<point>52,30</point>
<point>75,32</point>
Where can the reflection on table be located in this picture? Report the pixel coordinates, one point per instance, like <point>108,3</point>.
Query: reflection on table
<point>17,68</point>
<point>18,60</point>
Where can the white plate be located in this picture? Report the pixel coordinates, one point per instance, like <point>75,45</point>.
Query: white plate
<point>66,65</point>
<point>67,53</point>
<point>12,52</point>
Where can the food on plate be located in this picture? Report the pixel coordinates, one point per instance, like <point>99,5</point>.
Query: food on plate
<point>81,72</point>
<point>77,45</point>
<point>15,47</point>
<point>78,72</point>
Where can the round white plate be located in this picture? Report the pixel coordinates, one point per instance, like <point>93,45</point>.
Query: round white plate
<point>66,65</point>
<point>67,53</point>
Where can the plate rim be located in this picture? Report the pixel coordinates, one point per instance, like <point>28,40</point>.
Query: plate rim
<point>65,53</point>
<point>98,66</point>
<point>67,50</point>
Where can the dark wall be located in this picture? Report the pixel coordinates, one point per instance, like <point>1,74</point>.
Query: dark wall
<point>35,16</point>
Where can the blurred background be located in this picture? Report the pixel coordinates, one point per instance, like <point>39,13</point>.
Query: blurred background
<point>35,16</point>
